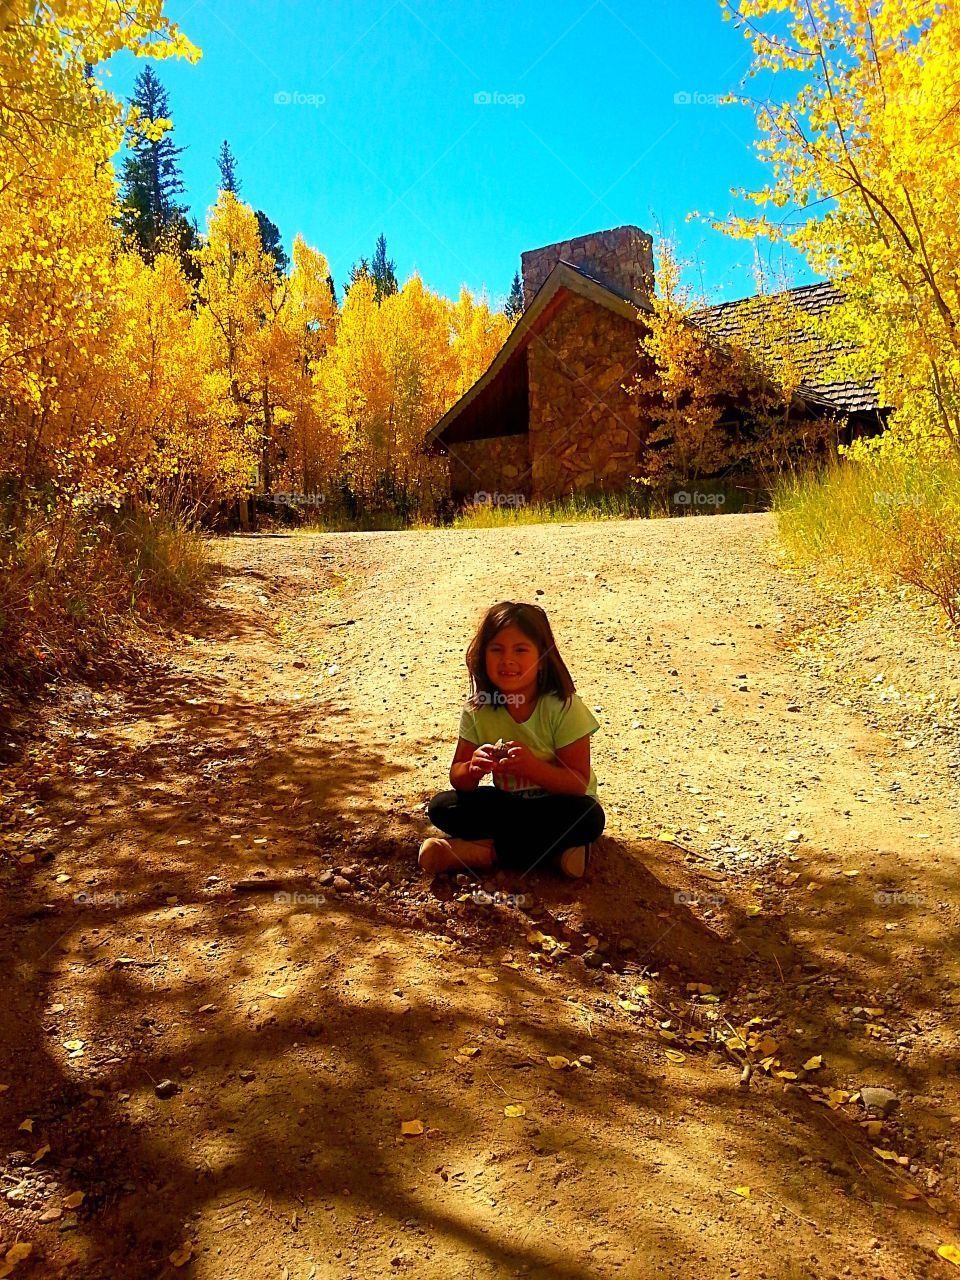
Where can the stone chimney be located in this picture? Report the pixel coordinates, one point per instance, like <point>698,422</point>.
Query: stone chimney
<point>621,258</point>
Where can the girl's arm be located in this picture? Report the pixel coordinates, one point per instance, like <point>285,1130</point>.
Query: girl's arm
<point>569,776</point>
<point>470,763</point>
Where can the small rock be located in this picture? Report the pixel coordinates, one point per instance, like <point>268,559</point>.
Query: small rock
<point>341,885</point>
<point>885,1101</point>
<point>592,959</point>
<point>51,1215</point>
<point>325,878</point>
<point>166,1089</point>
<point>248,1075</point>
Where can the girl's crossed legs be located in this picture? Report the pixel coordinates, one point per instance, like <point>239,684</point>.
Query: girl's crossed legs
<point>525,833</point>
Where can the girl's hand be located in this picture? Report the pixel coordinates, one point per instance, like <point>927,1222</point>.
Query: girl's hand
<point>518,760</point>
<point>484,760</point>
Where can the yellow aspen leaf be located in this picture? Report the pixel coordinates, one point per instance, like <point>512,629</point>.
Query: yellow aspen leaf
<point>74,1200</point>
<point>950,1253</point>
<point>26,1126</point>
<point>785,1075</point>
<point>180,1257</point>
<point>886,1155</point>
<point>742,1191</point>
<point>16,1253</point>
<point>873,1128</point>
<point>40,1153</point>
<point>514,1110</point>
<point>411,1128</point>
<point>814,1063</point>
<point>558,1062</point>
<point>484,975</point>
<point>674,1055</point>
<point>753,909</point>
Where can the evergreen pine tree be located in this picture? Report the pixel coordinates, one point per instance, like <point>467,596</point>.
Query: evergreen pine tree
<point>383,271</point>
<point>361,268</point>
<point>513,307</point>
<point>271,241</point>
<point>333,291</point>
<point>151,179</point>
<point>227,164</point>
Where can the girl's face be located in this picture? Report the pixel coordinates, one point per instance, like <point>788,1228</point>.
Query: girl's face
<point>513,661</point>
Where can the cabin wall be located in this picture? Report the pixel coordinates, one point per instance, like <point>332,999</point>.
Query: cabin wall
<point>495,470</point>
<point>586,433</point>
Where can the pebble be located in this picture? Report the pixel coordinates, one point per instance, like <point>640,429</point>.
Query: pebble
<point>166,1089</point>
<point>341,885</point>
<point>878,1099</point>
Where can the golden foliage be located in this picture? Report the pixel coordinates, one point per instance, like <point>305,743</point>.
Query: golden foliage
<point>864,161</point>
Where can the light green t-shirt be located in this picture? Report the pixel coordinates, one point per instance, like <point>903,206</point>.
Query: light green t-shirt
<point>552,725</point>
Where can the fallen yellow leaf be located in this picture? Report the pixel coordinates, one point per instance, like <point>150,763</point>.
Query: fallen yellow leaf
<point>742,1191</point>
<point>180,1257</point>
<point>484,975</point>
<point>558,1062</point>
<point>16,1253</point>
<point>885,1155</point>
<point>814,1063</point>
<point>41,1153</point>
<point>411,1128</point>
<point>674,1055</point>
<point>514,1110</point>
<point>74,1200</point>
<point>27,1126</point>
<point>950,1253</point>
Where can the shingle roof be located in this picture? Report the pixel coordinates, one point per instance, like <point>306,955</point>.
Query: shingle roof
<point>721,322</point>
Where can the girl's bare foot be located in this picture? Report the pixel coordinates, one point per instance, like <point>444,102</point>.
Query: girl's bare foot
<point>455,855</point>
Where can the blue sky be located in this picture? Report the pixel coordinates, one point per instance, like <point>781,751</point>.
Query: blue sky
<point>352,117</point>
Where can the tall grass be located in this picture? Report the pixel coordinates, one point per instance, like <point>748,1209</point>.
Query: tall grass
<point>70,579</point>
<point>892,518</point>
<point>705,497</point>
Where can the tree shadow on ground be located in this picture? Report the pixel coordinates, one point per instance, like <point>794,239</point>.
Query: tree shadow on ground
<point>292,1059</point>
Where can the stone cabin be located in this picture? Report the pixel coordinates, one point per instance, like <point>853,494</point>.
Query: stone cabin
<point>549,417</point>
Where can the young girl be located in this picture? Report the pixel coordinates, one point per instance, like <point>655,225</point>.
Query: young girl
<point>525,726</point>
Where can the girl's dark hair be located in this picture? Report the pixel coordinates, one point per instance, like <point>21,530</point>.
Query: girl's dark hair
<point>552,677</point>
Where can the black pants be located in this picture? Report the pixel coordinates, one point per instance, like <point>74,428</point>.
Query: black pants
<point>525,833</point>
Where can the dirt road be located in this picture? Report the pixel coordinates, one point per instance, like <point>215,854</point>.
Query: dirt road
<point>228,989</point>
